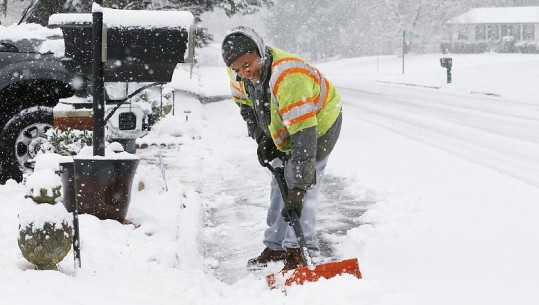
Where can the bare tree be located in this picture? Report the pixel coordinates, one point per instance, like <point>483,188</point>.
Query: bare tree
<point>321,29</point>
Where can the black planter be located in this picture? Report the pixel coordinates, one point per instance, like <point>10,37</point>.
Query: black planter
<point>102,186</point>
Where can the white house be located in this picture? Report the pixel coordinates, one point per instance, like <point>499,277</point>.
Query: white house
<point>492,23</point>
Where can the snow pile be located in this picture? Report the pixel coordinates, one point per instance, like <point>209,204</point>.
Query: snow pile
<point>185,125</point>
<point>28,31</point>
<point>55,46</point>
<point>113,151</point>
<point>31,37</point>
<point>44,179</point>
<point>37,215</point>
<point>114,18</point>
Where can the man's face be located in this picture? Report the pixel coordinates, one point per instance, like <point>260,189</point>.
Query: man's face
<point>249,66</point>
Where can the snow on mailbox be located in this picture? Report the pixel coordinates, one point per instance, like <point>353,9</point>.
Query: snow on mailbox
<point>140,45</point>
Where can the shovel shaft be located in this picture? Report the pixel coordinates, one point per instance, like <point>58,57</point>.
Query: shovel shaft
<point>292,215</point>
<point>294,222</point>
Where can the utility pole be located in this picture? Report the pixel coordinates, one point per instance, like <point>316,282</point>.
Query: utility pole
<point>403,48</point>
<point>378,56</point>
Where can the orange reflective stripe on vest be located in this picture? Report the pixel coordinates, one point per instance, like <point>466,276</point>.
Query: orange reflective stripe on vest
<point>290,65</point>
<point>237,92</point>
<point>280,137</point>
<point>298,112</point>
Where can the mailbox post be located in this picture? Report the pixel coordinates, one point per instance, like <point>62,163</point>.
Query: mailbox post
<point>447,62</point>
<point>98,136</point>
<point>118,46</point>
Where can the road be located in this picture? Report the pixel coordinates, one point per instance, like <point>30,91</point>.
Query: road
<point>497,133</point>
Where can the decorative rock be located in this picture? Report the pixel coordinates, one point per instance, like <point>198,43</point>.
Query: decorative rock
<point>45,247</point>
<point>45,196</point>
<point>45,232</point>
<point>44,186</point>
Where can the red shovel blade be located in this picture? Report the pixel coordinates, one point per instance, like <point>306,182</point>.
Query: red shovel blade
<point>303,274</point>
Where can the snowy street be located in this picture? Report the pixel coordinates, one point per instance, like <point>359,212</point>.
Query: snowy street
<point>498,133</point>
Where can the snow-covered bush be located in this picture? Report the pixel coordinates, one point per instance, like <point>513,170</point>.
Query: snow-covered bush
<point>527,47</point>
<point>470,47</point>
<point>506,44</point>
<point>44,186</point>
<point>45,231</point>
<point>158,100</point>
<point>66,143</point>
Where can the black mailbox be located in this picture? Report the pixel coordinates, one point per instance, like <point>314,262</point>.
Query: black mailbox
<point>133,53</point>
<point>446,62</point>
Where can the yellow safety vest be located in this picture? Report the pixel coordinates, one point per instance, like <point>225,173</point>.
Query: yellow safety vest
<point>301,97</point>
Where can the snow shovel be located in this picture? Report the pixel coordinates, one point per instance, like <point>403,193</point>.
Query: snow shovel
<point>309,273</point>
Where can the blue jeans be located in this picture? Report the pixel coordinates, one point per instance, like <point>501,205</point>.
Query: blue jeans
<point>279,233</point>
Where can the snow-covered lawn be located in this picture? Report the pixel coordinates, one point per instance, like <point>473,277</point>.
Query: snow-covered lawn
<point>451,216</point>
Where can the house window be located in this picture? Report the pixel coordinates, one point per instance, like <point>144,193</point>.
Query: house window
<point>528,32</point>
<point>493,32</point>
<point>462,32</point>
<point>503,30</point>
<point>513,30</point>
<point>480,32</point>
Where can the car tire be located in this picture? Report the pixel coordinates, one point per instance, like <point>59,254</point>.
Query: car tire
<point>21,139</point>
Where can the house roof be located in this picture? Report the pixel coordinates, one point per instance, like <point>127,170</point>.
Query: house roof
<point>523,14</point>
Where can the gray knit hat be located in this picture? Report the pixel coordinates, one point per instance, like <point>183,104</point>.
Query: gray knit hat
<point>235,45</point>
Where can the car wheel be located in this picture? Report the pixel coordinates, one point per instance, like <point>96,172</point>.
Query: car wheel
<point>21,140</point>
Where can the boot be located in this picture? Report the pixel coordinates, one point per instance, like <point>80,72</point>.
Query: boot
<point>268,255</point>
<point>293,259</point>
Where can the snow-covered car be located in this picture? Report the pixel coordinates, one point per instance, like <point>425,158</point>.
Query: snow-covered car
<point>32,81</point>
<point>37,92</point>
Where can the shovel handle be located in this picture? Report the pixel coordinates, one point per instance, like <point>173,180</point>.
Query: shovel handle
<point>278,173</point>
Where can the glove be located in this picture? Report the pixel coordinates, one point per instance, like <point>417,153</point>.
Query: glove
<point>293,203</point>
<point>266,150</point>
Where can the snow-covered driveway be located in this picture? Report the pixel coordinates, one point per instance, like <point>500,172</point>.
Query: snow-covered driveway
<point>235,190</point>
